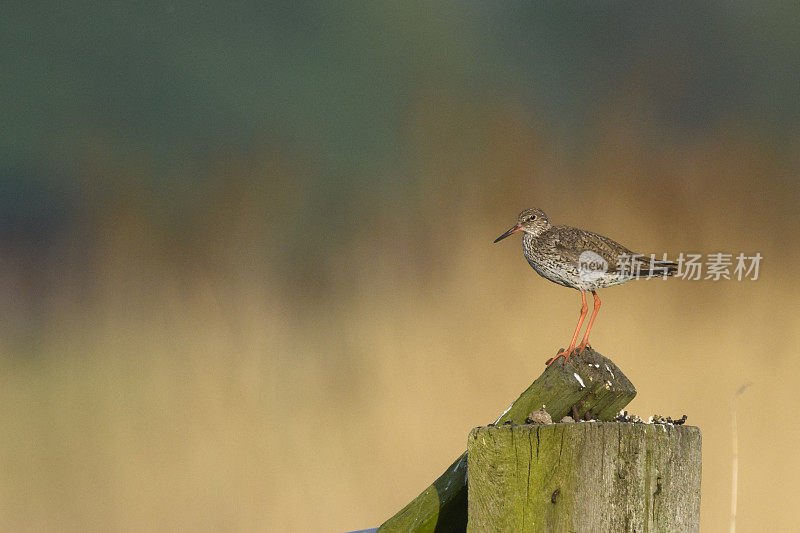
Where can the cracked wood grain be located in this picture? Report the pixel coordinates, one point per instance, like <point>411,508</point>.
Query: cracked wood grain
<point>600,388</point>
<point>592,476</point>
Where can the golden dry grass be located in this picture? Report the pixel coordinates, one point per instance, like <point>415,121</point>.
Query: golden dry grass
<point>197,383</point>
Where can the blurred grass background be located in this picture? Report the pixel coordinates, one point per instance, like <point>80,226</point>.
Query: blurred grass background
<point>246,272</point>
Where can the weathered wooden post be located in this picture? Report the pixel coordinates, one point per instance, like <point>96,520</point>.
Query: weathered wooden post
<point>588,384</point>
<point>590,476</point>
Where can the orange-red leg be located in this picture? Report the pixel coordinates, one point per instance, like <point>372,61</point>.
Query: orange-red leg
<point>571,349</point>
<point>585,341</point>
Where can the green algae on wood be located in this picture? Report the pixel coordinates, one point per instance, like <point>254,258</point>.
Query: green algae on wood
<point>588,384</point>
<point>591,476</point>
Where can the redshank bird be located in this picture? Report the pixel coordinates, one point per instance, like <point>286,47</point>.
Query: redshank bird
<point>581,260</point>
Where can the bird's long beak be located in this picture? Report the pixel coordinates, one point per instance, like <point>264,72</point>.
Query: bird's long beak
<point>513,229</point>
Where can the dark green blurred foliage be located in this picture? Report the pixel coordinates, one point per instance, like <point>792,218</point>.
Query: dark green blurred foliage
<point>245,248</point>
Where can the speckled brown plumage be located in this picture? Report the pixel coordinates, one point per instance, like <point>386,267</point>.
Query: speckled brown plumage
<point>582,260</point>
<point>555,252</point>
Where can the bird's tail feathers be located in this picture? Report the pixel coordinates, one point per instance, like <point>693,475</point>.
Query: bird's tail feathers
<point>656,269</point>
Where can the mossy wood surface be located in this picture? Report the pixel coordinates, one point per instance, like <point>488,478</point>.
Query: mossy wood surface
<point>590,476</point>
<point>590,383</point>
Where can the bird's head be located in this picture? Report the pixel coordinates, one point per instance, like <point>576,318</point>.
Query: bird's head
<point>532,221</point>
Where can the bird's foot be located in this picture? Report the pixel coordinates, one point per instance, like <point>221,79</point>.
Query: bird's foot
<point>561,353</point>
<point>583,346</point>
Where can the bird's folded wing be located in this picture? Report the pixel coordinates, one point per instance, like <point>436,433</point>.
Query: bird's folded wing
<point>575,245</point>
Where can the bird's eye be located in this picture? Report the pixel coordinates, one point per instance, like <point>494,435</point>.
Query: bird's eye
<point>532,218</point>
